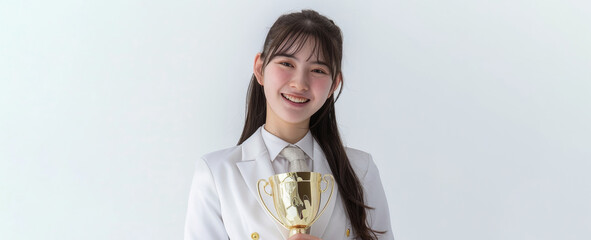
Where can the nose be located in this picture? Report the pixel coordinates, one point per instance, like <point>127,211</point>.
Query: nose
<point>299,81</point>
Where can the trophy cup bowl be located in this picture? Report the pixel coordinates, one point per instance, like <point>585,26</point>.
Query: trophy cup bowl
<point>296,196</point>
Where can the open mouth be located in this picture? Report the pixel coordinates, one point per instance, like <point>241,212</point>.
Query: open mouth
<point>295,99</point>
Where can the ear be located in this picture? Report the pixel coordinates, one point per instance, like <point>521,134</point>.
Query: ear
<point>258,68</point>
<point>338,80</point>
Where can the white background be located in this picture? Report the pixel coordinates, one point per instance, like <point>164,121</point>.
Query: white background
<point>476,112</point>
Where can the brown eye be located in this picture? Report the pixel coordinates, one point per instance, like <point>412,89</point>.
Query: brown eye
<point>286,64</point>
<point>319,71</point>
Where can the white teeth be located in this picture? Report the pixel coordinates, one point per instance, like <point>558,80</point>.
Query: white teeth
<point>295,99</point>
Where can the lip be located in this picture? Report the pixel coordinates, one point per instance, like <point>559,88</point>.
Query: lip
<point>286,97</point>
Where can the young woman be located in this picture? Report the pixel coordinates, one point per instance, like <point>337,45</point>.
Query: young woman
<point>290,102</point>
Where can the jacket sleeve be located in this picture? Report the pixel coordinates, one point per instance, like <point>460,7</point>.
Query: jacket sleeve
<point>379,217</point>
<point>204,219</point>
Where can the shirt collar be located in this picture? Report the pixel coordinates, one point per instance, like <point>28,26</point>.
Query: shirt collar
<point>275,144</point>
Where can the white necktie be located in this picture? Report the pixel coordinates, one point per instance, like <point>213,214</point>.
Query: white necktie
<point>296,158</point>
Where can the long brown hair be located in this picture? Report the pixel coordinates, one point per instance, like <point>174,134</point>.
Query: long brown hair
<point>293,30</point>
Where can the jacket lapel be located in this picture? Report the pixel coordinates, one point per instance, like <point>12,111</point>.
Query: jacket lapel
<point>256,165</point>
<point>321,166</point>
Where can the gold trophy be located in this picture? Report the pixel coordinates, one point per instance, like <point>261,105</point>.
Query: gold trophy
<point>296,196</point>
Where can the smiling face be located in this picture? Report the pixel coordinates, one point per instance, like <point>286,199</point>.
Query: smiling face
<point>296,83</point>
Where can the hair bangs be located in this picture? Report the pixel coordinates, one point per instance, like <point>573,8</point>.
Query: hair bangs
<point>292,40</point>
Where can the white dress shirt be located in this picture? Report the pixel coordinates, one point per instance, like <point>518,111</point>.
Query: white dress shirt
<point>275,144</point>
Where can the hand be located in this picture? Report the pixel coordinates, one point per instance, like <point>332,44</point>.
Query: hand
<point>301,236</point>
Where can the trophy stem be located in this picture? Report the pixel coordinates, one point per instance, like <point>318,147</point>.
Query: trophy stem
<point>296,230</point>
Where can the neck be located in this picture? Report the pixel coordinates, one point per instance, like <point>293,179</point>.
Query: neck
<point>291,133</point>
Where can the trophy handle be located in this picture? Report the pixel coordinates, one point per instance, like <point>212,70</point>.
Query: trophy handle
<point>264,187</point>
<point>263,201</point>
<point>325,179</point>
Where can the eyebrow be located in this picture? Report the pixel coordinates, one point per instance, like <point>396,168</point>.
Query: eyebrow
<point>293,57</point>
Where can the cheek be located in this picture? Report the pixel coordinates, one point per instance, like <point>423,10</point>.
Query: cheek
<point>322,86</point>
<point>277,75</point>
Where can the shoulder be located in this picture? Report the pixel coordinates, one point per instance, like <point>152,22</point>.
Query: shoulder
<point>220,158</point>
<point>361,161</point>
<point>358,154</point>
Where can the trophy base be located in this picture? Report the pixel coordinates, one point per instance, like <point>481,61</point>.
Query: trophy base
<point>298,229</point>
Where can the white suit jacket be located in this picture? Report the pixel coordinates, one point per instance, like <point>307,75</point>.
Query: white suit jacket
<point>224,202</point>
